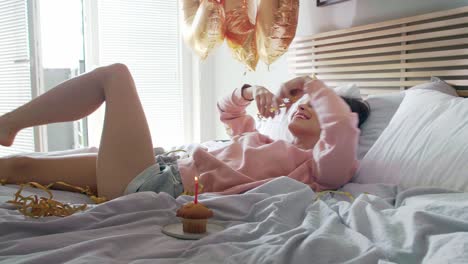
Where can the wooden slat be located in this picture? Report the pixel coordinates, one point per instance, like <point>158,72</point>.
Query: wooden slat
<point>358,44</point>
<point>457,82</point>
<point>396,83</point>
<point>412,65</point>
<point>394,31</point>
<point>422,36</point>
<point>392,75</point>
<point>375,91</point>
<point>433,15</point>
<point>297,54</point>
<point>420,55</point>
<point>463,93</point>
<point>379,90</point>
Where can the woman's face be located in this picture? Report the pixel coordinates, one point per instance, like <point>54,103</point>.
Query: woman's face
<point>304,121</point>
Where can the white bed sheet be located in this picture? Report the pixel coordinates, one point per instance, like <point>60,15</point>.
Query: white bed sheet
<point>278,222</point>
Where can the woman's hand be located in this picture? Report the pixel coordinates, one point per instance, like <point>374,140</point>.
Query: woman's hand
<point>294,89</point>
<point>267,103</point>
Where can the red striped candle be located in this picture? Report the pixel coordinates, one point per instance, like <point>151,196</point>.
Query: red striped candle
<point>196,190</point>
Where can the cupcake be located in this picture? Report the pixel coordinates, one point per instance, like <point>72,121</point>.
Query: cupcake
<point>194,217</point>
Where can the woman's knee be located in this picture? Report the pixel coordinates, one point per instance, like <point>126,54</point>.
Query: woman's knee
<point>119,68</point>
<point>112,70</point>
<point>117,71</point>
<point>115,75</point>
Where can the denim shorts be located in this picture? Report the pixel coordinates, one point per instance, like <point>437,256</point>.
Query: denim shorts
<point>163,176</point>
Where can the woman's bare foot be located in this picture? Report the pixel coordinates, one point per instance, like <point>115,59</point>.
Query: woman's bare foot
<point>7,132</point>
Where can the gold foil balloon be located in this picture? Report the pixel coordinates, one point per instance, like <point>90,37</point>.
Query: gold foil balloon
<point>240,32</point>
<point>275,28</point>
<point>204,25</point>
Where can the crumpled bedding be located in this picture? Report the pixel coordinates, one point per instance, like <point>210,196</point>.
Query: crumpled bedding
<point>278,222</point>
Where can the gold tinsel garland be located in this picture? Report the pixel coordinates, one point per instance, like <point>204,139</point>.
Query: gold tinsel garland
<point>36,207</point>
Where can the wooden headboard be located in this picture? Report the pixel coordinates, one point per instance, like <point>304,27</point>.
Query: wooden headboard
<point>389,56</point>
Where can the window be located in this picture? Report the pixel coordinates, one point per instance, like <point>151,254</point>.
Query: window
<point>15,71</point>
<point>41,45</point>
<point>145,36</point>
<point>62,58</point>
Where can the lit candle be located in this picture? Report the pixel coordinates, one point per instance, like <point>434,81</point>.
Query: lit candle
<point>196,190</point>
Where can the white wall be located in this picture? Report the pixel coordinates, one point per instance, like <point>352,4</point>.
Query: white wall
<point>228,74</point>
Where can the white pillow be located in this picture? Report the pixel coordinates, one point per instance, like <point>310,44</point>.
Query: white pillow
<point>384,106</point>
<point>348,90</point>
<point>425,144</point>
<point>277,127</point>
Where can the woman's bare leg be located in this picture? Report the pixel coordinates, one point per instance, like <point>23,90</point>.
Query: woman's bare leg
<point>126,147</point>
<point>69,101</point>
<point>78,170</point>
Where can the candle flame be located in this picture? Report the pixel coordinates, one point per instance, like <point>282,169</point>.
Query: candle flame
<point>196,178</point>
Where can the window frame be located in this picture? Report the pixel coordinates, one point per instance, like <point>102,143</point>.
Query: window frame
<point>35,61</point>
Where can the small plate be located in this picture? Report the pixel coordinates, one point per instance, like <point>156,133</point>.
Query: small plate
<point>175,230</point>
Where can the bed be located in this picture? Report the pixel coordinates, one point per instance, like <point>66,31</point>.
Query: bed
<point>390,220</point>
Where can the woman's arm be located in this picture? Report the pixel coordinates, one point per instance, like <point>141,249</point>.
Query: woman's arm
<point>335,152</point>
<point>232,113</point>
<point>232,108</point>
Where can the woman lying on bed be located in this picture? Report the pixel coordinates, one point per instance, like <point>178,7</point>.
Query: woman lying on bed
<point>322,154</point>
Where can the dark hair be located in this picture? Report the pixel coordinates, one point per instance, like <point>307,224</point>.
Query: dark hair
<point>360,107</point>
